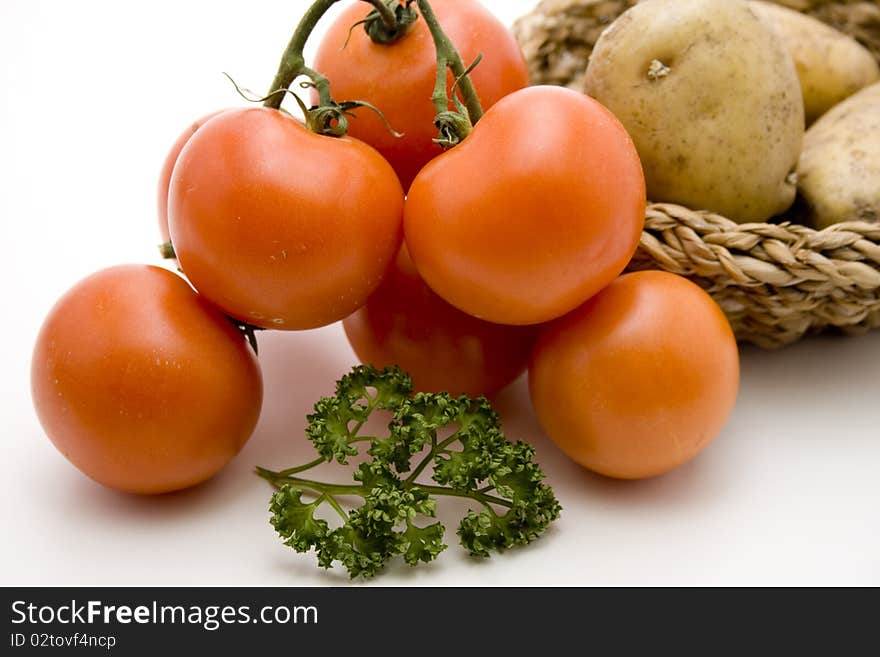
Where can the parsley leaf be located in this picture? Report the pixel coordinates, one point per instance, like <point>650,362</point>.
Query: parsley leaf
<point>459,437</point>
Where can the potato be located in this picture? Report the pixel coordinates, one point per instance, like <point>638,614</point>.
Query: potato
<point>839,171</point>
<point>830,65</point>
<point>712,101</point>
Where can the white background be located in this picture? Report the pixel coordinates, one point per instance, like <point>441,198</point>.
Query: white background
<point>93,94</point>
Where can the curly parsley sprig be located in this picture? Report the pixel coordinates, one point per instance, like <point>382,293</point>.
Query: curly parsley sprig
<point>475,461</point>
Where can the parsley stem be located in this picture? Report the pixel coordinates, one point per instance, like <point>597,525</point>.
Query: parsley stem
<point>435,448</point>
<point>332,502</point>
<point>473,495</point>
<point>278,480</point>
<point>353,432</point>
<point>300,468</point>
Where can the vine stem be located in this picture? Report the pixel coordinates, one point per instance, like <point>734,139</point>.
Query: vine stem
<point>293,63</point>
<point>448,57</point>
<point>386,13</point>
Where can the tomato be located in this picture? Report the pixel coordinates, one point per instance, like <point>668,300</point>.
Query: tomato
<point>141,384</point>
<point>281,227</point>
<point>638,380</point>
<point>539,208</point>
<point>399,78</point>
<point>404,323</point>
<point>168,166</point>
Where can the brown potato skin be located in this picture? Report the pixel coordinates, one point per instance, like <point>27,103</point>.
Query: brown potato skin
<point>839,170</point>
<point>831,66</point>
<point>712,101</point>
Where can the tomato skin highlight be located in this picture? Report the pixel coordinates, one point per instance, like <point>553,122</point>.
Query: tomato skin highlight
<point>404,323</point>
<point>399,78</point>
<point>168,167</point>
<point>539,208</point>
<point>639,379</point>
<point>280,227</point>
<point>141,383</point>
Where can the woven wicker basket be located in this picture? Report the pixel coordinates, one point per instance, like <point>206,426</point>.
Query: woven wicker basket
<point>776,281</point>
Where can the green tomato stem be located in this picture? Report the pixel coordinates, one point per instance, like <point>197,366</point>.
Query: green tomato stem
<point>293,63</point>
<point>440,98</point>
<point>386,13</point>
<point>448,57</point>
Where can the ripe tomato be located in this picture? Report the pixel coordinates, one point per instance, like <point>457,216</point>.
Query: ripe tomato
<point>281,227</point>
<point>639,379</point>
<point>168,167</point>
<point>404,323</point>
<point>399,78</point>
<point>533,213</point>
<point>142,384</point>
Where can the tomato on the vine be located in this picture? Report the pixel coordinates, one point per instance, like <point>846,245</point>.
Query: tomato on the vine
<point>404,323</point>
<point>168,167</point>
<point>281,227</point>
<point>399,78</point>
<point>639,379</point>
<point>539,208</point>
<point>141,383</point>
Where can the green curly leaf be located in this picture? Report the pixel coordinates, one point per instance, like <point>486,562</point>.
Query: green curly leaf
<point>471,458</point>
<point>423,543</point>
<point>295,520</point>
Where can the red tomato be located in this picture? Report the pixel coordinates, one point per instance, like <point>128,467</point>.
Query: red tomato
<point>281,227</point>
<point>533,213</point>
<point>404,323</point>
<point>638,380</point>
<point>399,78</point>
<point>142,384</point>
<point>168,166</point>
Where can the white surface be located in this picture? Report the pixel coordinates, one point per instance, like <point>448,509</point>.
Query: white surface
<point>93,93</point>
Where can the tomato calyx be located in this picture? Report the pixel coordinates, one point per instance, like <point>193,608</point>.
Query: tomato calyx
<point>388,21</point>
<point>332,120</point>
<point>329,117</point>
<point>166,251</point>
<point>452,127</point>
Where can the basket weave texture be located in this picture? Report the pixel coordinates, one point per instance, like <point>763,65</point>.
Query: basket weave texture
<point>775,281</point>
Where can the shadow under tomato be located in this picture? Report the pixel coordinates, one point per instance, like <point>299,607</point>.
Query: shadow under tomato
<point>574,485</point>
<point>89,498</point>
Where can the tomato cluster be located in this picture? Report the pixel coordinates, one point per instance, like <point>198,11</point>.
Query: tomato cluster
<point>515,235</point>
